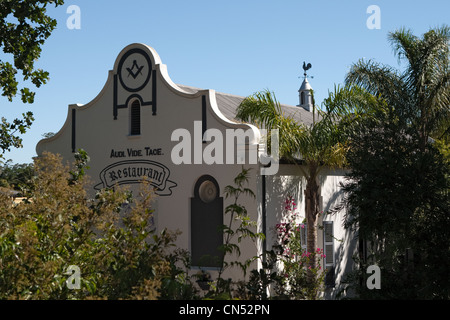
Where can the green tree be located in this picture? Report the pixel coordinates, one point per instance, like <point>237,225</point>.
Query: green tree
<point>17,176</point>
<point>24,27</point>
<point>421,92</point>
<point>110,238</point>
<point>397,191</point>
<point>397,201</point>
<point>317,146</point>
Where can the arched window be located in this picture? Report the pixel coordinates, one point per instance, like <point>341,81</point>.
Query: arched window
<point>206,222</point>
<point>135,115</point>
<point>302,98</point>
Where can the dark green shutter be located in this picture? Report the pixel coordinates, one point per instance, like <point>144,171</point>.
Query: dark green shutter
<point>135,114</point>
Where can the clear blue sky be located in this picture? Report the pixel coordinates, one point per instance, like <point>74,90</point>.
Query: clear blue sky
<point>237,47</point>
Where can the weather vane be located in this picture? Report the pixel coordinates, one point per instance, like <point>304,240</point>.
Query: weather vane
<point>306,67</point>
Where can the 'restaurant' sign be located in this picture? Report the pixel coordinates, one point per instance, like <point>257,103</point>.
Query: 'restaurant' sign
<point>135,171</point>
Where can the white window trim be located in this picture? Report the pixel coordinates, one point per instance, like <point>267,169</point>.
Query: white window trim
<point>130,125</point>
<point>328,243</point>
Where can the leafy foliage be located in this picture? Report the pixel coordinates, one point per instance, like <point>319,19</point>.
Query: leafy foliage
<point>397,190</point>
<point>17,176</point>
<point>110,238</point>
<point>299,280</point>
<point>24,28</point>
<point>319,145</point>
<point>421,92</point>
<point>8,132</point>
<point>286,269</point>
<point>397,199</point>
<point>240,227</point>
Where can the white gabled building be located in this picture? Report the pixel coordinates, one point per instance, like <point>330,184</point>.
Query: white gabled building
<point>143,124</point>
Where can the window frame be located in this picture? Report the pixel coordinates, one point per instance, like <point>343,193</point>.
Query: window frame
<point>328,265</point>
<point>135,124</point>
<point>302,98</point>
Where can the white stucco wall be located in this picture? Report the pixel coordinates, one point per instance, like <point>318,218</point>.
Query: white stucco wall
<point>289,180</point>
<point>108,143</point>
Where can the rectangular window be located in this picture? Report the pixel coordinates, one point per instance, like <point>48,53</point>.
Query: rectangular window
<point>135,115</point>
<point>328,244</point>
<point>328,250</point>
<point>303,235</point>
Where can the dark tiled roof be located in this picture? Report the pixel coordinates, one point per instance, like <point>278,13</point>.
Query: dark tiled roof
<point>229,103</point>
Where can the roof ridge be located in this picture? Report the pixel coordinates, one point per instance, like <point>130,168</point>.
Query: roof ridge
<point>228,108</point>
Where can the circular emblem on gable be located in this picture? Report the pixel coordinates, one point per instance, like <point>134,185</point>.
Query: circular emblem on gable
<point>207,191</point>
<point>134,70</point>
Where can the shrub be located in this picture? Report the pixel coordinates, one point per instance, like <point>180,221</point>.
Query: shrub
<point>110,239</point>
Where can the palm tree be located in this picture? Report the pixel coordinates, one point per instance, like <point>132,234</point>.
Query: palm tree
<point>317,146</point>
<point>421,93</point>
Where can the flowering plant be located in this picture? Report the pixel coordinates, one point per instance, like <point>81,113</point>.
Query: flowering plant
<point>298,281</point>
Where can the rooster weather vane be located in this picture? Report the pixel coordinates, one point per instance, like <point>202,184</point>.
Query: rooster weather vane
<point>306,67</point>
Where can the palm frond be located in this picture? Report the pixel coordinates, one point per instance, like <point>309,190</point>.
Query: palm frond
<point>323,142</point>
<point>379,80</point>
<point>261,109</point>
<point>404,44</point>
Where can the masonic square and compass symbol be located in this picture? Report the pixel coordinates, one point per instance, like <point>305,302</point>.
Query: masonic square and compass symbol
<point>138,71</point>
<point>134,70</point>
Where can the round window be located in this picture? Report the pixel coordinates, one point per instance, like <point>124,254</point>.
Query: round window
<point>207,191</point>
